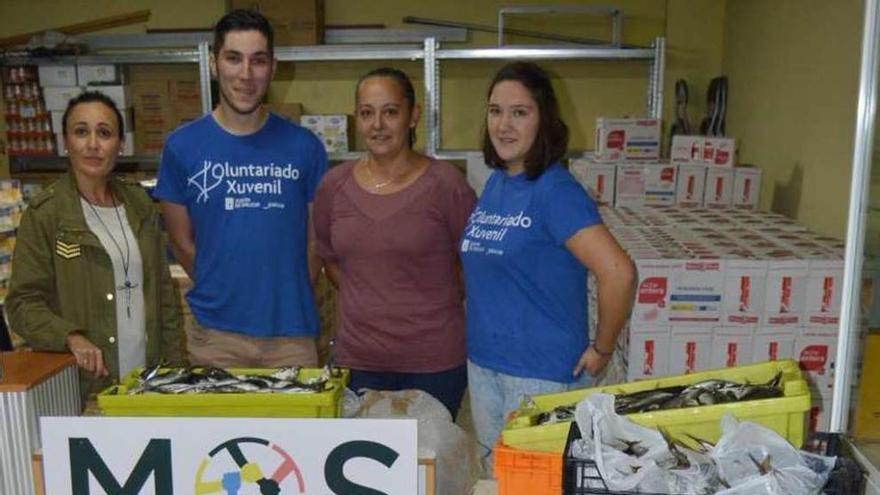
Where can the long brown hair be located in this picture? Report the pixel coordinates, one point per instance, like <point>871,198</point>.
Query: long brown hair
<point>551,142</point>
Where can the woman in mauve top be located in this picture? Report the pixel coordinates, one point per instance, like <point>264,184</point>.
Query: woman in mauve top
<point>387,227</point>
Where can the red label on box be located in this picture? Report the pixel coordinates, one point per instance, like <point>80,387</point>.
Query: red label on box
<point>744,284</point>
<point>691,357</point>
<point>827,291</point>
<point>649,358</point>
<point>785,299</point>
<point>814,358</point>
<point>615,140</point>
<point>653,290</point>
<point>731,354</point>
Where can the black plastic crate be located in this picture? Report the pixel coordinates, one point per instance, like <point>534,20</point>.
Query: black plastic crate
<point>847,477</point>
<point>582,477</point>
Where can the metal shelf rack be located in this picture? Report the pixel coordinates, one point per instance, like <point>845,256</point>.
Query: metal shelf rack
<point>430,53</point>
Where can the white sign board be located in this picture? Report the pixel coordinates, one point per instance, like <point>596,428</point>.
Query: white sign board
<point>226,456</point>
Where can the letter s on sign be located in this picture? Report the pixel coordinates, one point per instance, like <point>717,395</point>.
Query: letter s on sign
<point>333,467</point>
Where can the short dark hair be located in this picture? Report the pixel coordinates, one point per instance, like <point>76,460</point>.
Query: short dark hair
<point>402,80</point>
<point>94,97</point>
<point>551,141</point>
<point>243,20</point>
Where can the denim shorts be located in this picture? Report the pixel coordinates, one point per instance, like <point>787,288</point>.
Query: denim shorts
<point>493,395</point>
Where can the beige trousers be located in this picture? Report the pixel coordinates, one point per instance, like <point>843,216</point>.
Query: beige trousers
<point>209,347</point>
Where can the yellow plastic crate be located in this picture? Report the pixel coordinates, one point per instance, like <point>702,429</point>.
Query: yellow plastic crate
<point>114,401</point>
<point>785,414</point>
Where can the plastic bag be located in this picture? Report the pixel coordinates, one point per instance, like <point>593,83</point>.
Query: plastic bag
<point>631,457</point>
<point>456,467</point>
<point>755,460</point>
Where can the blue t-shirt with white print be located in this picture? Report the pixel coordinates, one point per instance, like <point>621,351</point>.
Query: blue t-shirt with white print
<point>526,293</point>
<point>247,197</point>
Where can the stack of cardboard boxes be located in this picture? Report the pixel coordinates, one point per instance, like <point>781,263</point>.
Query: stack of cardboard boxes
<point>625,170</point>
<point>164,97</point>
<point>721,288</point>
<point>332,130</point>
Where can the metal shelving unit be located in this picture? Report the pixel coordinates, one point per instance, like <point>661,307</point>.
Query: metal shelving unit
<point>656,56</point>
<point>430,53</point>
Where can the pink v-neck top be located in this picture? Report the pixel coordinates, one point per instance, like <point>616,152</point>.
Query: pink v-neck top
<point>400,294</point>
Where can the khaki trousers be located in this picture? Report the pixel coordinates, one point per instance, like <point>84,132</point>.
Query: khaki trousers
<point>209,347</point>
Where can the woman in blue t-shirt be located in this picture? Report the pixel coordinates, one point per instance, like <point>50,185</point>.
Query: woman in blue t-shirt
<point>526,250</point>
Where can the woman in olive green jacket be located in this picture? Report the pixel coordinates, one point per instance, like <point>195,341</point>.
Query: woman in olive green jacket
<point>65,287</point>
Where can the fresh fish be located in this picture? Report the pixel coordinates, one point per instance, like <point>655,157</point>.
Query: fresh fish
<point>705,393</point>
<point>217,380</point>
<point>287,374</point>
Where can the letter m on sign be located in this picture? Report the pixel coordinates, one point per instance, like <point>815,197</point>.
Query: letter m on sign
<point>155,460</point>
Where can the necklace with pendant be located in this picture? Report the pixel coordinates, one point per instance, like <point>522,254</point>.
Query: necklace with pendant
<point>378,185</point>
<point>127,285</point>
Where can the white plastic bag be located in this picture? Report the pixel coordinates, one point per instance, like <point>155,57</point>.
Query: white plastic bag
<point>753,459</point>
<point>630,457</point>
<point>440,438</point>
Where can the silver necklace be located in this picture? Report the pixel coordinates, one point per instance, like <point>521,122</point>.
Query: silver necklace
<point>127,286</point>
<point>379,185</point>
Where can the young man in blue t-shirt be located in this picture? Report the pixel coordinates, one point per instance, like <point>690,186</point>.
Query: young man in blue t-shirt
<point>237,187</point>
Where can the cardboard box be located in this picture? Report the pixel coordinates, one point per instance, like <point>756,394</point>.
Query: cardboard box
<point>597,178</point>
<point>332,130</point>
<point>816,352</point>
<point>290,111</point>
<point>164,97</point>
<point>57,118</point>
<point>786,291</point>
<point>57,75</point>
<point>691,185</point>
<point>745,283</point>
<point>772,344</point>
<point>746,187</point>
<point>57,97</point>
<point>820,416</point>
<point>659,184</point>
<point>719,187</point>
<point>695,289</point>
<point>690,350</point>
<point>629,185</point>
<point>627,139</point>
<point>732,346</point>
<point>87,74</point>
<point>824,293</point>
<point>148,142</point>
<point>714,151</point>
<point>651,305</point>
<point>296,22</point>
<point>648,355</point>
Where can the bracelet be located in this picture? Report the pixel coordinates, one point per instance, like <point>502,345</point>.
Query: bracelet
<point>600,353</point>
